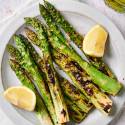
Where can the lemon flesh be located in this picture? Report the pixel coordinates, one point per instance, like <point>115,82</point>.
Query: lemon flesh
<point>94,41</point>
<point>22,97</point>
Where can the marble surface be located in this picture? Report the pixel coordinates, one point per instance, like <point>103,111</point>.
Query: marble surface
<point>8,8</point>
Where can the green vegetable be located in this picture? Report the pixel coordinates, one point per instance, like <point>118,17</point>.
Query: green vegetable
<point>75,113</point>
<point>40,108</point>
<point>76,99</point>
<point>101,66</point>
<point>47,17</point>
<point>58,18</point>
<point>53,83</point>
<point>68,91</point>
<point>83,82</point>
<point>117,6</point>
<point>76,96</point>
<point>23,55</point>
<point>97,77</point>
<point>54,14</point>
<point>121,2</point>
<point>71,91</point>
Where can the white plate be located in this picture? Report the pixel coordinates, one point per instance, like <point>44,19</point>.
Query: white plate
<point>83,18</point>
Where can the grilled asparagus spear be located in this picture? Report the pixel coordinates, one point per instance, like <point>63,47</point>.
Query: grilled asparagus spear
<point>101,66</point>
<point>71,91</point>
<point>53,83</point>
<point>76,96</point>
<point>40,108</point>
<point>121,2</point>
<point>50,23</point>
<point>59,19</point>
<point>54,14</point>
<point>28,64</point>
<point>96,98</point>
<point>115,5</point>
<point>75,113</point>
<point>100,79</point>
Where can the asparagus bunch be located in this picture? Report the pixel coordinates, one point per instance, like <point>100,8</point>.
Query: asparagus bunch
<point>75,113</point>
<point>53,83</point>
<point>23,55</point>
<point>50,14</point>
<point>40,108</point>
<point>81,72</point>
<point>100,79</point>
<point>96,97</point>
<point>71,91</point>
<point>77,103</point>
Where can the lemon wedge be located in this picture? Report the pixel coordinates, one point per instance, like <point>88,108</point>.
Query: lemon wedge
<point>94,41</point>
<point>22,97</point>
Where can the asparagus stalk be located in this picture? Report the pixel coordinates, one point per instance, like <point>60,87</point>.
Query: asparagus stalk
<point>100,79</point>
<point>53,83</point>
<point>71,91</point>
<point>50,22</point>
<point>28,64</point>
<point>96,99</point>
<point>59,19</point>
<point>40,108</point>
<point>76,96</point>
<point>76,37</point>
<point>75,113</point>
<point>101,66</point>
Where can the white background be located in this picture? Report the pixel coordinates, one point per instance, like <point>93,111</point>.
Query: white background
<point>8,8</point>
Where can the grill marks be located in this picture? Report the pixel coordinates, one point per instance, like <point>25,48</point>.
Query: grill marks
<point>50,73</point>
<point>63,112</point>
<point>101,66</point>
<point>102,69</point>
<point>75,93</point>
<point>72,64</point>
<point>106,107</point>
<point>84,82</point>
<point>71,88</point>
<point>79,73</point>
<point>89,91</point>
<point>77,65</point>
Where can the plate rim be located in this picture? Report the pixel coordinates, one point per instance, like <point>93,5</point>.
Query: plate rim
<point>74,3</point>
